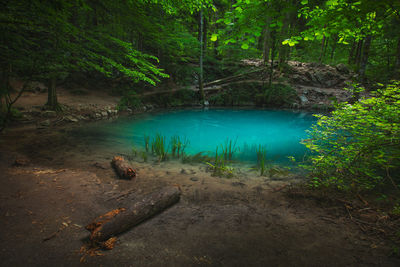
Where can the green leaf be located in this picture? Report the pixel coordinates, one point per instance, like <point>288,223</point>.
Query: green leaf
<point>245,46</point>
<point>214,37</point>
<point>304,2</point>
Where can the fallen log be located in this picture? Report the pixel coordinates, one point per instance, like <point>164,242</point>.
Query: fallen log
<point>123,169</point>
<point>121,220</point>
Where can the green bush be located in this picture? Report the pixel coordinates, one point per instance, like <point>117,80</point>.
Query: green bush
<point>276,95</point>
<point>358,146</point>
<point>130,99</point>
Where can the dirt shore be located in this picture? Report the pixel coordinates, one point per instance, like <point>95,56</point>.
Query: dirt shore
<point>60,184</point>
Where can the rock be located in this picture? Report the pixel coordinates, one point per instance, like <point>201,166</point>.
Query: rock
<point>342,68</point>
<point>104,114</point>
<point>129,110</point>
<point>183,171</point>
<point>238,184</point>
<point>21,162</point>
<point>319,91</point>
<point>303,99</point>
<point>71,118</point>
<point>322,77</point>
<point>97,116</point>
<point>45,123</point>
<point>194,179</point>
<point>109,112</point>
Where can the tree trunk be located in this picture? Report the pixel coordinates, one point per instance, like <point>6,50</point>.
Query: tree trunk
<point>351,53</point>
<point>121,220</point>
<point>203,99</point>
<point>334,45</point>
<point>267,41</point>
<point>122,168</point>
<point>283,49</point>
<point>357,59</point>
<point>52,102</point>
<point>364,57</point>
<point>271,71</point>
<point>321,54</point>
<point>397,66</point>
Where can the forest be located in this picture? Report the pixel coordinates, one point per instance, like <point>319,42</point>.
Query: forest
<point>108,105</point>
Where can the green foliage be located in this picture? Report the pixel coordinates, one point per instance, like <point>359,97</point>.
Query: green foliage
<point>358,145</point>
<point>130,99</point>
<point>277,95</point>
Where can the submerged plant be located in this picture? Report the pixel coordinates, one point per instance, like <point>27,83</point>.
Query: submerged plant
<point>218,167</point>
<point>134,151</point>
<point>158,147</point>
<point>146,142</point>
<point>144,156</point>
<point>262,159</point>
<point>229,148</point>
<point>196,158</point>
<point>178,146</point>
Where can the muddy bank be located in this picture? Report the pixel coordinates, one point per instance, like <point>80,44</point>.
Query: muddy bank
<point>243,221</point>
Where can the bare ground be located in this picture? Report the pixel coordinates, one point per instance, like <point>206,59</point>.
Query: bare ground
<point>243,221</point>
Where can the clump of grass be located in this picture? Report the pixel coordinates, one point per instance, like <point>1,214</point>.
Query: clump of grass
<point>219,167</point>
<point>178,146</point>
<point>196,158</point>
<point>134,151</point>
<point>228,149</point>
<point>144,156</point>
<point>158,147</point>
<point>262,159</point>
<point>146,142</point>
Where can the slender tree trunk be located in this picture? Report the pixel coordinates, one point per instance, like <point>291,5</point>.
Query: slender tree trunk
<point>334,44</point>
<point>267,42</point>
<point>271,71</point>
<point>397,65</point>
<point>364,57</point>
<point>52,102</point>
<point>203,99</point>
<point>351,54</point>
<point>205,29</point>
<point>358,53</point>
<point>326,47</point>
<point>321,54</point>
<point>284,32</point>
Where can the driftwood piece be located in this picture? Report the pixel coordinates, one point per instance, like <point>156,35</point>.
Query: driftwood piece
<point>123,169</point>
<point>121,220</point>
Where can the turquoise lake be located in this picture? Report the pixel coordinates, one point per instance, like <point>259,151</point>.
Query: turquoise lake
<point>280,132</point>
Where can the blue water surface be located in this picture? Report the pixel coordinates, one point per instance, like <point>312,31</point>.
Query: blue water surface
<point>280,132</point>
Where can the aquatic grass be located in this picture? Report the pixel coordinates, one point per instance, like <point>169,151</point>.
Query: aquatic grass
<point>219,167</point>
<point>134,151</point>
<point>196,158</point>
<point>178,146</point>
<point>229,148</point>
<point>144,156</point>
<point>175,143</point>
<point>262,159</point>
<point>182,146</point>
<point>146,142</point>
<point>158,147</point>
